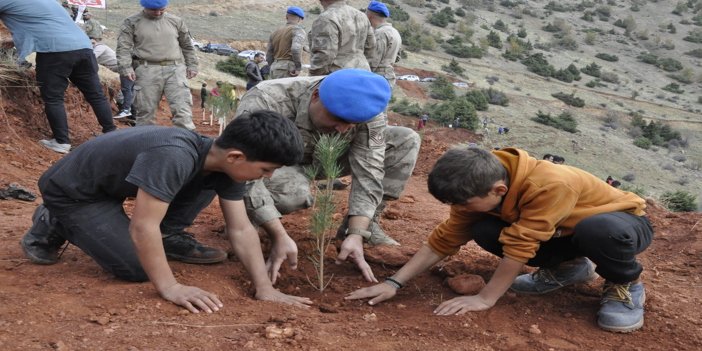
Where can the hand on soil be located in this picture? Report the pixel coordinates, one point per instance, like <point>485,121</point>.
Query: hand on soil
<point>282,250</point>
<point>379,293</point>
<point>277,296</point>
<point>352,247</point>
<point>191,297</point>
<point>461,305</point>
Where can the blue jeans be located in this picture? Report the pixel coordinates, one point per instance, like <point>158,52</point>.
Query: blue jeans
<point>101,228</point>
<point>54,70</point>
<point>611,240</point>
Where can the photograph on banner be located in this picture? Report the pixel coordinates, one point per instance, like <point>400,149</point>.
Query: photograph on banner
<point>89,3</point>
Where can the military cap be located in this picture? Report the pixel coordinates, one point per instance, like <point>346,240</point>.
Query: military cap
<point>153,4</point>
<point>355,95</point>
<point>379,7</point>
<point>294,10</point>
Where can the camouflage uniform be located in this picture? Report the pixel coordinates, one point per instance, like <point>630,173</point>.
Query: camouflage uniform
<point>92,29</point>
<point>341,37</point>
<point>160,68</point>
<point>380,158</point>
<point>387,48</point>
<point>285,48</point>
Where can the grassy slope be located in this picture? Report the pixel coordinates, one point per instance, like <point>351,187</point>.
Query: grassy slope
<point>606,151</point>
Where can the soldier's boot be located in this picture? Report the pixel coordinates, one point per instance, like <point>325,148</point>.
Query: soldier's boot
<point>41,243</point>
<point>378,236</point>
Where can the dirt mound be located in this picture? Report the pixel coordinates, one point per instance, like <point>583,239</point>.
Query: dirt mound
<point>76,305</point>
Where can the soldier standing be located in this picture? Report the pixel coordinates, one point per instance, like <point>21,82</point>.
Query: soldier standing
<point>380,158</point>
<point>387,42</point>
<point>253,73</point>
<point>286,44</point>
<point>92,27</point>
<point>165,60</point>
<point>341,37</point>
<point>67,7</point>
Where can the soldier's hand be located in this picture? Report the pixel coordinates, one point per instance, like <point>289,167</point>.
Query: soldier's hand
<point>131,76</point>
<point>352,247</point>
<point>191,74</point>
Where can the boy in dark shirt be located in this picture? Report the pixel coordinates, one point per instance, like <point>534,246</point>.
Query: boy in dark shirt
<point>173,174</point>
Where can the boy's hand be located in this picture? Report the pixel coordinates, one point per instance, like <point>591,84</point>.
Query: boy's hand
<point>379,293</point>
<point>461,305</point>
<point>353,247</point>
<point>190,296</point>
<point>283,248</point>
<point>277,296</point>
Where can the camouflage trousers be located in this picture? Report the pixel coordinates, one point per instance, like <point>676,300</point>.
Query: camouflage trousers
<point>154,81</point>
<point>288,190</point>
<point>282,69</point>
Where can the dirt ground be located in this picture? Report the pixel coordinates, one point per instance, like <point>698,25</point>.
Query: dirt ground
<point>75,305</point>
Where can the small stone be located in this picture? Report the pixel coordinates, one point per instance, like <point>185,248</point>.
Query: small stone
<point>273,332</point>
<point>370,317</point>
<point>466,284</point>
<point>59,346</point>
<point>535,329</point>
<point>183,312</point>
<point>328,308</point>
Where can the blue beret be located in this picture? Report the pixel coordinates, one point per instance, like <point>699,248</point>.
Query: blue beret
<point>355,95</point>
<point>294,10</point>
<point>153,4</point>
<point>379,7</point>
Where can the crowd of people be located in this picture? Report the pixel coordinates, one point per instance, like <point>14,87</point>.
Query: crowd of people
<point>255,167</point>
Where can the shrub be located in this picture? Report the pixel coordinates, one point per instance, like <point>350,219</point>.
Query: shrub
<point>567,42</point>
<point>495,97</point>
<point>682,180</point>
<point>463,51</point>
<point>649,58</point>
<point>669,64</point>
<point>569,99</point>
<point>680,158</point>
<point>460,12</point>
<point>695,53</point>
<point>501,26</point>
<point>563,75</point>
<point>522,33</point>
<point>478,99</point>
<point>590,38</point>
<point>397,13</point>
<point>443,88</point>
<point>607,57</point>
<point>591,70</point>
<point>630,177</point>
<point>610,77</point>
<point>556,7</point>
<point>233,65</point>
<point>679,201</point>
<point>453,67</point>
<point>643,142</point>
<point>565,121</point>
<point>673,88</point>
<point>494,40</point>
<point>538,64</point>
<point>442,18</point>
<point>316,10</point>
<point>406,108</point>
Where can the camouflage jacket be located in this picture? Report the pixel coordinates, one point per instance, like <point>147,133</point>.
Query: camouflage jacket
<point>341,37</point>
<point>92,29</point>
<point>366,155</point>
<point>387,48</point>
<point>138,35</point>
<point>287,43</point>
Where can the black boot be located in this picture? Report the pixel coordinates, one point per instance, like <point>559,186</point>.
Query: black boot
<point>183,247</point>
<point>41,243</point>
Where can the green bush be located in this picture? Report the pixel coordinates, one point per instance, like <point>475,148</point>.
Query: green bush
<point>495,97</point>
<point>478,99</point>
<point>406,108</point>
<point>522,33</point>
<point>454,67</point>
<point>695,53</point>
<point>538,64</point>
<point>649,58</point>
<point>679,201</point>
<point>550,28</point>
<point>397,13</point>
<point>643,142</point>
<point>592,70</point>
<point>565,121</point>
<point>563,75</point>
<point>442,18</point>
<point>569,99</point>
<point>443,88</point>
<point>501,26</point>
<point>460,12</point>
<point>673,88</point>
<point>463,51</point>
<point>556,7</point>
<point>494,40</point>
<point>315,11</point>
<point>669,64</point>
<point>233,65</point>
<point>607,57</point>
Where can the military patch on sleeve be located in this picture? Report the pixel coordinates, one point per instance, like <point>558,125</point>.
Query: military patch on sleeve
<point>376,139</point>
<point>321,43</point>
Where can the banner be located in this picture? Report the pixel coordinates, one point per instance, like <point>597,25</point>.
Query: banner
<point>89,3</point>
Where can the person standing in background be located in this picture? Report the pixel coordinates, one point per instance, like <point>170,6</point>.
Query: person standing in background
<point>286,44</point>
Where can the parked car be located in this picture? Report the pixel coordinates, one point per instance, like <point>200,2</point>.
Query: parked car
<point>461,84</point>
<point>249,54</point>
<point>196,44</point>
<point>409,77</point>
<point>428,79</point>
<point>219,49</point>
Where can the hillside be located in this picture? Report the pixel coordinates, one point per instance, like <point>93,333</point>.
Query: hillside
<point>605,147</point>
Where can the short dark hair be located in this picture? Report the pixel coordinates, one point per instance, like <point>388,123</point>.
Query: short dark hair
<point>258,54</point>
<point>616,183</point>
<point>465,172</point>
<point>558,159</point>
<point>264,136</point>
<point>204,85</point>
<point>547,156</point>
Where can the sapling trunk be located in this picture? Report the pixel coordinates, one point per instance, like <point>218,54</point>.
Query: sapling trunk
<point>324,170</point>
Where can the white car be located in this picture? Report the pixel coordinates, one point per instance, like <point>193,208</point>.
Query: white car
<point>249,54</point>
<point>461,84</point>
<point>409,77</point>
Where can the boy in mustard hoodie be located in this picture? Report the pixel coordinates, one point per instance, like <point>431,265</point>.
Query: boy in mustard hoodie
<point>532,212</point>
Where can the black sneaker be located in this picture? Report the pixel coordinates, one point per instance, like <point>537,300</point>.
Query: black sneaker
<point>183,247</point>
<point>41,243</point>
